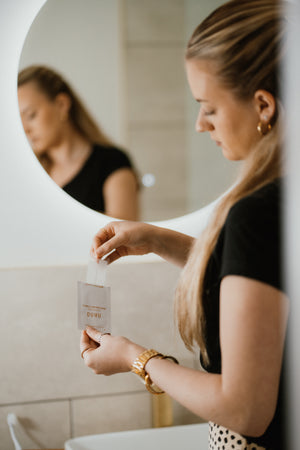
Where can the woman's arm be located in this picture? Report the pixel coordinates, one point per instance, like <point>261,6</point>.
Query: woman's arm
<point>252,329</point>
<point>136,238</point>
<point>243,398</point>
<point>120,192</point>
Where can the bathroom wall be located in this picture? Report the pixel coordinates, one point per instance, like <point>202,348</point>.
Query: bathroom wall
<point>43,379</point>
<point>154,46</point>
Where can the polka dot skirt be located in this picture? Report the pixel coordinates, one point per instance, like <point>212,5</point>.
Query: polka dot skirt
<point>221,438</point>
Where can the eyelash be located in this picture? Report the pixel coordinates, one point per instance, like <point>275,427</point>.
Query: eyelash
<point>209,113</point>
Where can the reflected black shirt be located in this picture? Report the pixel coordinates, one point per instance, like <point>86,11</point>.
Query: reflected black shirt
<point>87,185</point>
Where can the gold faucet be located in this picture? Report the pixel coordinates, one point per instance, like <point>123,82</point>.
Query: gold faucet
<point>162,411</point>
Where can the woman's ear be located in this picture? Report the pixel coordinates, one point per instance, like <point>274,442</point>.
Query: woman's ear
<point>63,103</point>
<point>265,105</point>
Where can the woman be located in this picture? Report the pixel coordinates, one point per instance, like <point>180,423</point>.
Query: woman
<point>229,300</point>
<point>71,147</point>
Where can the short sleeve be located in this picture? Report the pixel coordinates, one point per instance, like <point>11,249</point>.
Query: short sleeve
<point>115,159</point>
<point>252,241</point>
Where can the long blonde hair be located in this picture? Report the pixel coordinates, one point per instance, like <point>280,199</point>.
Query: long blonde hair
<point>244,39</point>
<point>51,83</point>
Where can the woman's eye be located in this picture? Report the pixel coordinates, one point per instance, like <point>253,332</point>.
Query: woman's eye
<point>209,113</point>
<point>32,115</point>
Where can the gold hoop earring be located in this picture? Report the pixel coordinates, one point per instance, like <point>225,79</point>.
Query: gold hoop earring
<point>263,128</point>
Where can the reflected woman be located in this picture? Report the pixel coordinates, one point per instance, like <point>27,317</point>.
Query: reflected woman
<point>72,148</point>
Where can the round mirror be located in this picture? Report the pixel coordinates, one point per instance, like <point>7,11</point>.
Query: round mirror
<point>132,81</point>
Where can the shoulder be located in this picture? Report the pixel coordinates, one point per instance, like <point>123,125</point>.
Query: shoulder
<point>252,237</point>
<point>110,153</point>
<point>262,205</point>
<point>107,160</point>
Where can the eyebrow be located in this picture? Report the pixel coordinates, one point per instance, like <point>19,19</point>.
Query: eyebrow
<point>200,100</point>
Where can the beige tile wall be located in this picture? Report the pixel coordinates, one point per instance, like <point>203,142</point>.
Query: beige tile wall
<point>155,84</point>
<point>42,377</point>
<point>156,21</point>
<point>112,412</point>
<point>161,149</point>
<point>154,50</point>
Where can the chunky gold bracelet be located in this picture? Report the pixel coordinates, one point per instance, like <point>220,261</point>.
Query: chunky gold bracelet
<point>139,364</point>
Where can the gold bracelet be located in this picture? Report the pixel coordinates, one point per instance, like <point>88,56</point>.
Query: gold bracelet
<point>151,387</point>
<point>171,358</point>
<point>139,364</point>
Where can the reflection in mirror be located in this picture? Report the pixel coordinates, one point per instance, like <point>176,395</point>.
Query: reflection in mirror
<point>72,148</point>
<point>174,163</point>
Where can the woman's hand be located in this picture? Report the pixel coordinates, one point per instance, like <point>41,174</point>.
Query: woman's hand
<point>106,354</point>
<point>123,239</point>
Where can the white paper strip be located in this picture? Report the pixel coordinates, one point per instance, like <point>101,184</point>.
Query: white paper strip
<point>96,272</point>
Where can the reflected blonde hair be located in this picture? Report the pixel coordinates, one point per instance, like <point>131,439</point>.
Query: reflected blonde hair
<point>51,83</point>
<point>244,40</point>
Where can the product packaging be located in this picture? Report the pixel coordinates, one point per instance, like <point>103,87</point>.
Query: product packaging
<point>94,307</point>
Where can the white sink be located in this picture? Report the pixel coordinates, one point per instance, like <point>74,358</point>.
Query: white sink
<point>189,437</point>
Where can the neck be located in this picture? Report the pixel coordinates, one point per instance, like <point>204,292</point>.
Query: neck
<point>71,147</point>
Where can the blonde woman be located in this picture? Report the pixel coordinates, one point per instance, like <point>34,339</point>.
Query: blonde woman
<point>71,147</point>
<point>230,301</point>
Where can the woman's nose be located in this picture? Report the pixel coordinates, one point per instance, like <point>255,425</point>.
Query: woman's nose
<point>202,124</point>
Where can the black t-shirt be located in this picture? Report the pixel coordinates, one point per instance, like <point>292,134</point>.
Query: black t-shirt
<point>249,245</point>
<point>87,185</point>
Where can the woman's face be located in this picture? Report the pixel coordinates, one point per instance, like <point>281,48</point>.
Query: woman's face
<point>42,118</point>
<point>232,123</point>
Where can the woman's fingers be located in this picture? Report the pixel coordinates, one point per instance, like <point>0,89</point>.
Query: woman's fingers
<point>123,238</point>
<point>86,343</point>
<point>113,256</point>
<point>115,354</point>
<point>84,340</point>
<point>105,241</point>
<point>115,243</point>
<point>94,334</point>
<point>99,239</point>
